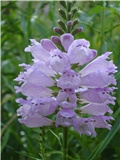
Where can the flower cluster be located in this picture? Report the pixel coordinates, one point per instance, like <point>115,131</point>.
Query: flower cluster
<point>67,87</point>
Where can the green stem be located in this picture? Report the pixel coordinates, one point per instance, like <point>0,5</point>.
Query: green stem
<point>102,28</point>
<point>42,144</point>
<point>65,147</point>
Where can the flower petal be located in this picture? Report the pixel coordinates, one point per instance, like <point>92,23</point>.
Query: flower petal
<point>58,61</point>
<point>35,120</point>
<point>95,109</point>
<point>79,52</point>
<point>41,66</point>
<point>84,126</point>
<point>44,106</point>
<point>66,40</point>
<point>69,79</point>
<point>40,53</point>
<point>101,121</point>
<point>65,117</point>
<point>35,91</point>
<point>101,64</point>
<point>96,95</point>
<point>39,78</point>
<point>47,44</point>
<point>67,98</point>
<point>97,79</point>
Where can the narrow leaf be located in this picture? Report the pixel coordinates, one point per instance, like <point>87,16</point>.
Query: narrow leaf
<point>101,146</point>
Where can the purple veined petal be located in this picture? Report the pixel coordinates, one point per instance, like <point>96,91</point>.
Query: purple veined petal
<point>33,42</point>
<point>22,101</point>
<point>35,120</point>
<point>39,78</point>
<point>25,109</point>
<point>66,40</point>
<point>44,106</point>
<point>20,78</point>
<point>84,126</point>
<point>65,117</point>
<point>95,109</point>
<point>80,42</point>
<point>40,53</point>
<point>100,63</point>
<point>67,98</point>
<point>94,52</point>
<point>79,52</point>
<point>97,79</point>
<point>41,66</point>
<point>58,61</point>
<point>17,89</point>
<point>26,66</point>
<point>97,95</point>
<point>48,45</point>
<point>69,79</point>
<point>35,91</point>
<point>101,121</point>
<point>28,49</point>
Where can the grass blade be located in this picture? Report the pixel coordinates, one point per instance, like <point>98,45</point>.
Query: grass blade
<point>101,146</point>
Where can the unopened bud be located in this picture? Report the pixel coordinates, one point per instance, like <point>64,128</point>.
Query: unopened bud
<point>55,39</point>
<point>69,23</point>
<point>75,22</point>
<point>62,24</point>
<point>62,13</point>
<point>58,30</point>
<point>77,30</point>
<point>69,16</point>
<point>63,3</point>
<point>74,11</point>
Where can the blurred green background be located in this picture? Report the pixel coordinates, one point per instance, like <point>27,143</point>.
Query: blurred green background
<point>22,21</point>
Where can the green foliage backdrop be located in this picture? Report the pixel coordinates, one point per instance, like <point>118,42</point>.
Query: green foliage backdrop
<point>22,21</point>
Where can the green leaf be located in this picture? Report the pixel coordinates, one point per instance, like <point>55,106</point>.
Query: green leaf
<point>117,76</point>
<point>5,138</point>
<point>56,137</point>
<point>102,145</point>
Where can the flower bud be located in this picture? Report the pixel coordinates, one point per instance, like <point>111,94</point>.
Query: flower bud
<point>58,30</point>
<point>62,24</point>
<point>77,30</point>
<point>62,13</point>
<point>63,3</point>
<point>55,39</point>
<point>69,24</point>
<point>69,16</point>
<point>75,22</point>
<point>74,11</point>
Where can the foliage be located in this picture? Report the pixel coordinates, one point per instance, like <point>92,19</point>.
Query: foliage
<point>24,20</point>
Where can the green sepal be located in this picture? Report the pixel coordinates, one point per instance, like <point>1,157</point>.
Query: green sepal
<point>70,5</point>
<point>63,3</point>
<point>74,11</point>
<point>75,31</point>
<point>69,16</point>
<point>62,24</point>
<point>62,13</point>
<point>75,22</point>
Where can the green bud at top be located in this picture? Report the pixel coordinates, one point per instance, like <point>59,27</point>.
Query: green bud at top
<point>58,30</point>
<point>62,13</point>
<point>62,24</point>
<point>74,11</point>
<point>77,30</point>
<point>63,3</point>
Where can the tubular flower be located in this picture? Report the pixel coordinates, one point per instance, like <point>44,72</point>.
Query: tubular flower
<point>55,85</point>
